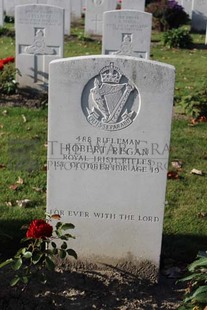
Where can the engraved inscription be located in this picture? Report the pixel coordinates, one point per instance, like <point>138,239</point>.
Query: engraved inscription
<point>126,47</point>
<point>39,50</point>
<point>109,154</point>
<point>113,101</point>
<point>98,2</point>
<point>39,16</point>
<point>106,216</point>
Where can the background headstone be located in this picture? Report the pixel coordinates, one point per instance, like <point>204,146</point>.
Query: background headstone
<point>133,5</point>
<point>1,13</point>
<point>39,40</point>
<point>65,4</point>
<point>127,32</point>
<point>187,5</point>
<point>108,145</point>
<point>94,15</point>
<point>9,6</point>
<point>199,15</point>
<point>76,9</point>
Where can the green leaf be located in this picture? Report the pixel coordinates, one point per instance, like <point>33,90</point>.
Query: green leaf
<point>58,225</point>
<point>15,280</point>
<point>36,258</point>
<point>190,277</point>
<point>27,255</point>
<point>25,279</point>
<point>72,253</point>
<point>8,261</point>
<point>200,294</point>
<point>67,226</point>
<point>54,245</point>
<point>64,245</point>
<point>198,263</point>
<point>49,264</point>
<point>62,253</point>
<point>17,264</point>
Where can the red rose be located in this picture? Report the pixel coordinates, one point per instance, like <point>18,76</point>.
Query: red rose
<point>39,229</point>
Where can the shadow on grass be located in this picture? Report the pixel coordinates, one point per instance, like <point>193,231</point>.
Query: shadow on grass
<point>183,248</point>
<point>199,46</point>
<point>11,233</point>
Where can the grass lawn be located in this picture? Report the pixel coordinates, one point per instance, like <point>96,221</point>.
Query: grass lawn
<point>23,134</point>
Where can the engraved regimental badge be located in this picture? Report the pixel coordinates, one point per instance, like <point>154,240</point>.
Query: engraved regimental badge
<point>110,101</point>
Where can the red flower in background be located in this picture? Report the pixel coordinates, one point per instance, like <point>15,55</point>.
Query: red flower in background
<point>5,61</point>
<point>8,59</point>
<point>39,229</point>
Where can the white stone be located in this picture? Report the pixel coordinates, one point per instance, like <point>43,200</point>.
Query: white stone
<point>39,40</point>
<point>206,35</point>
<point>65,4</point>
<point>199,15</point>
<point>94,15</point>
<point>127,32</point>
<point>108,145</point>
<point>187,5</point>
<point>76,9</point>
<point>133,5</point>
<point>1,13</point>
<point>9,6</point>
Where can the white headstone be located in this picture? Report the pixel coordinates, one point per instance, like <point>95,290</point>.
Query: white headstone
<point>65,4</point>
<point>187,5</point>
<point>127,32</point>
<point>199,15</point>
<point>133,5</point>
<point>1,13</point>
<point>94,15</point>
<point>206,35</point>
<point>108,145</point>
<point>9,6</point>
<point>39,40</point>
<point>76,9</point>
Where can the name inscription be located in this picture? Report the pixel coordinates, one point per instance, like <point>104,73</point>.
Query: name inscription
<point>108,154</point>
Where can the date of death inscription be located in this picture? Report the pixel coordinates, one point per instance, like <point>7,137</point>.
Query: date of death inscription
<point>108,154</point>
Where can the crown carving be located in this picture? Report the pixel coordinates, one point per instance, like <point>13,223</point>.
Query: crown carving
<point>110,74</point>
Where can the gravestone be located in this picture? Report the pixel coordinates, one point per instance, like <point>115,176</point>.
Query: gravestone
<point>127,32</point>
<point>9,6</point>
<point>94,15</point>
<point>199,15</point>
<point>206,35</point>
<point>76,10</point>
<point>65,4</point>
<point>108,145</point>
<point>187,5</point>
<point>133,5</point>
<point>39,40</point>
<point>1,13</point>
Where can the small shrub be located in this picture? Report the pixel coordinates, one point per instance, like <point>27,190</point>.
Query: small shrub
<point>195,297</point>
<point>167,14</point>
<point>195,105</point>
<point>179,38</point>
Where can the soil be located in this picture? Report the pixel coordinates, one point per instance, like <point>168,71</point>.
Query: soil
<point>80,289</point>
<point>90,289</point>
